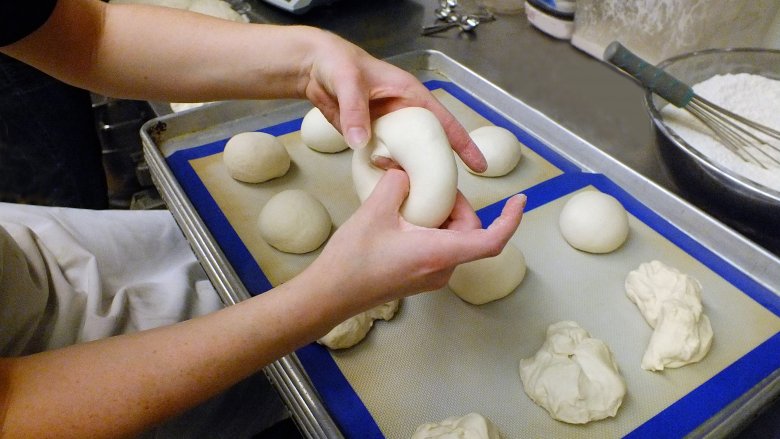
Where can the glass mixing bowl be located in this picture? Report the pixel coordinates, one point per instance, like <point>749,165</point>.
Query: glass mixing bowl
<point>727,192</point>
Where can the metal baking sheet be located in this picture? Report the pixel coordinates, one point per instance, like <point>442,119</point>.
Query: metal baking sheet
<point>441,357</point>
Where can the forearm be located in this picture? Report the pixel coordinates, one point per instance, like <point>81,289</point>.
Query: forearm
<point>144,52</point>
<point>216,59</point>
<point>123,385</point>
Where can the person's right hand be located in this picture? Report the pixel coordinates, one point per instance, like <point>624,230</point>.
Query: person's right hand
<point>352,88</point>
<point>376,256</point>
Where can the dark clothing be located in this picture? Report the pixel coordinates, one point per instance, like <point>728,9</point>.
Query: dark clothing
<point>19,18</point>
<point>50,153</point>
<point>49,150</point>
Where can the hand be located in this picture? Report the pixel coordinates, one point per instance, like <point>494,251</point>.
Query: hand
<point>376,256</point>
<point>351,88</point>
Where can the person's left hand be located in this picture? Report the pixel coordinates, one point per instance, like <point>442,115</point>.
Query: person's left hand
<point>351,88</point>
<point>377,256</point>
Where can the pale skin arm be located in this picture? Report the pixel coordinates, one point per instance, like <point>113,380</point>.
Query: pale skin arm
<point>123,385</point>
<point>131,51</point>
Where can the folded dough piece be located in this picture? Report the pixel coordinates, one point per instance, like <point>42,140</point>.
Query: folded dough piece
<point>670,301</point>
<point>573,376</point>
<point>470,426</point>
<point>353,330</point>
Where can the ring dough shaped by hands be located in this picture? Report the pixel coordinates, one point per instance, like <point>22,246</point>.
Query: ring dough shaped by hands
<point>416,140</point>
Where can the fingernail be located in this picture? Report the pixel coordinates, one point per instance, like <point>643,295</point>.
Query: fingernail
<point>356,138</point>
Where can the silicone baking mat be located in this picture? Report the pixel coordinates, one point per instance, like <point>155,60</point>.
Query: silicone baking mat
<point>442,357</point>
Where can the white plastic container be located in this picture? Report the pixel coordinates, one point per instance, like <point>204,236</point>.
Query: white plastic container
<point>555,18</point>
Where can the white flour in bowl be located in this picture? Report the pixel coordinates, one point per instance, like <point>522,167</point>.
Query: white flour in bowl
<point>752,96</point>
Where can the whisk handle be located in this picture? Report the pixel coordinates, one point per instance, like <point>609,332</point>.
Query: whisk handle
<point>650,76</point>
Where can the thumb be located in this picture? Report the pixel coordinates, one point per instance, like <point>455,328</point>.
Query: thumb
<point>354,116</point>
<point>390,192</point>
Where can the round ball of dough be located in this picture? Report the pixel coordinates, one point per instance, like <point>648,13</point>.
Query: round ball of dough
<point>255,157</point>
<point>485,280</point>
<point>500,147</point>
<point>293,221</point>
<point>318,134</point>
<point>594,222</point>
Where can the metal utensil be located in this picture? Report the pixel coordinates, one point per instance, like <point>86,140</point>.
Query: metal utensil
<point>466,23</point>
<point>443,12</point>
<point>735,132</point>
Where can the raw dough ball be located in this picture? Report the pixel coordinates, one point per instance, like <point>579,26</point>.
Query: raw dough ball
<point>255,157</point>
<point>351,331</point>
<point>417,142</point>
<point>318,134</point>
<point>594,222</point>
<point>178,107</point>
<point>470,426</point>
<point>218,8</point>
<point>573,376</point>
<point>215,8</point>
<point>489,279</point>
<point>293,221</point>
<point>176,4</point>
<point>500,147</point>
<point>670,301</point>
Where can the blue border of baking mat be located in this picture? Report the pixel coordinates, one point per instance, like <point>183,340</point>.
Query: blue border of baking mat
<point>343,403</point>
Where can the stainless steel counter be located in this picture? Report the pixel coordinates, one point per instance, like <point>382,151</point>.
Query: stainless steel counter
<point>581,93</point>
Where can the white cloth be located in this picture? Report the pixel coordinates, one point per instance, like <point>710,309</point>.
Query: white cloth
<point>71,275</point>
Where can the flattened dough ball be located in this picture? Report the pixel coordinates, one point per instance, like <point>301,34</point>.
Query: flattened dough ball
<point>255,157</point>
<point>573,376</point>
<point>594,222</point>
<point>470,426</point>
<point>500,147</point>
<point>485,280</point>
<point>353,330</point>
<point>318,134</point>
<point>293,221</point>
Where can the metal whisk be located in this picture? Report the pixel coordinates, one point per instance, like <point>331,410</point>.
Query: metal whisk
<point>735,132</point>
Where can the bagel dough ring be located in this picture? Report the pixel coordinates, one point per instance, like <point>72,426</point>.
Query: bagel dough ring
<point>416,141</point>
<point>293,221</point>
<point>594,222</point>
<point>500,147</point>
<point>485,280</point>
<point>318,134</point>
<point>255,157</point>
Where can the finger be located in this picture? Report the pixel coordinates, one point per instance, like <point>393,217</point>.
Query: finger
<point>510,216</point>
<point>389,193</point>
<point>385,163</point>
<point>463,216</point>
<point>459,138</point>
<point>354,118</point>
<point>471,245</point>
